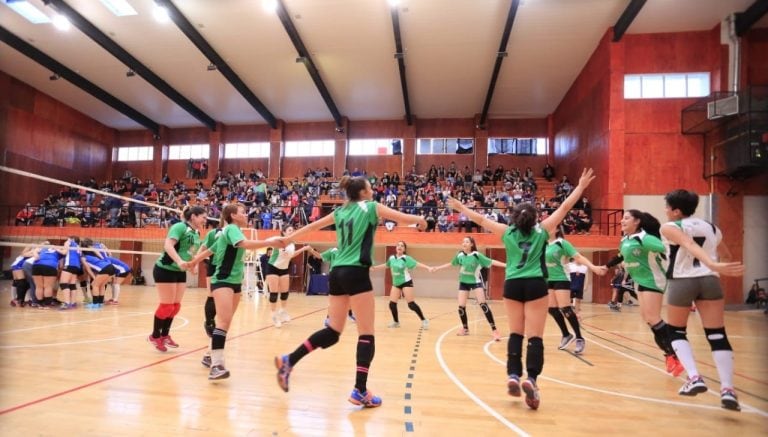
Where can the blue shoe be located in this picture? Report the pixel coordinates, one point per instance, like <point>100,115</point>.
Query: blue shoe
<point>283,371</point>
<point>513,385</point>
<point>327,322</point>
<point>367,399</point>
<point>352,318</point>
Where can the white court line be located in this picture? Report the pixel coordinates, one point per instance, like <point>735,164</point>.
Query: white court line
<point>748,408</point>
<point>70,343</point>
<point>466,391</point>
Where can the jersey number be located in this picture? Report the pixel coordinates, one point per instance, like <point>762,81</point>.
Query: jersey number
<point>700,241</point>
<point>526,248</point>
<point>345,229</point>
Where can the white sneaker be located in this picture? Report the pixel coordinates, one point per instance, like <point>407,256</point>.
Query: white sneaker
<point>276,319</point>
<point>425,324</point>
<point>393,325</point>
<point>284,317</point>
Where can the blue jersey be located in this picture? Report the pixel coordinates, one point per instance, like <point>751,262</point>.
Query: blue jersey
<point>97,264</point>
<point>49,258</point>
<point>101,249</point>
<point>18,263</point>
<point>121,267</point>
<point>72,258</point>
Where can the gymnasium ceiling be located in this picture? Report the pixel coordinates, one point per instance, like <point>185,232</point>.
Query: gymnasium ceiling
<point>449,51</point>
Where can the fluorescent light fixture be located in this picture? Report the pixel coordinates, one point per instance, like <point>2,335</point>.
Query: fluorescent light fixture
<point>61,22</point>
<point>161,14</point>
<point>28,11</point>
<point>121,8</point>
<point>269,5</point>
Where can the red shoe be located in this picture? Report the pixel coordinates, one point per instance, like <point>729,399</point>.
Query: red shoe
<point>168,341</point>
<point>14,302</point>
<point>157,343</point>
<point>674,366</point>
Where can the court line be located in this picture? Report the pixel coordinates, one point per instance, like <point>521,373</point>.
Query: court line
<point>698,362</point>
<point>749,408</point>
<point>134,370</point>
<point>469,393</point>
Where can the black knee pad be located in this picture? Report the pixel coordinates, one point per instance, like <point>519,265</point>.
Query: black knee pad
<point>328,337</point>
<point>677,333</point>
<point>83,284</point>
<point>718,340</point>
<point>284,296</point>
<point>273,297</point>
<point>534,357</point>
<point>484,307</point>
<point>412,306</point>
<point>462,311</point>
<point>567,311</point>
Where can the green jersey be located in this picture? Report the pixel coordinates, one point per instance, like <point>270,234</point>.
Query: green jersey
<point>558,254</point>
<point>642,253</point>
<point>355,228</point>
<point>525,253</point>
<point>187,242</point>
<point>210,239</point>
<point>329,256</point>
<point>471,264</point>
<point>400,266</point>
<point>228,258</point>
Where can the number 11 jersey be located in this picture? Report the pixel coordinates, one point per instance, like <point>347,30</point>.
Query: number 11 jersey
<point>355,228</point>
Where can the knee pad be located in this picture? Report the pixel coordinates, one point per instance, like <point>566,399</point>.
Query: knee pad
<point>83,284</point>
<point>462,311</point>
<point>176,309</point>
<point>677,333</point>
<point>567,311</point>
<point>718,340</point>
<point>484,307</point>
<point>210,308</point>
<point>273,297</point>
<point>412,306</point>
<point>284,296</point>
<point>327,337</point>
<point>16,282</point>
<point>164,311</point>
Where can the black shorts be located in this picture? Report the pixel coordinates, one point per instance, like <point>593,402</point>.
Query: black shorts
<point>165,276</point>
<point>74,270</point>
<point>237,288</point>
<point>121,274</point>
<point>108,270</point>
<point>349,281</point>
<point>210,268</point>
<point>577,294</point>
<point>559,285</point>
<point>469,287</point>
<point>643,288</point>
<point>41,270</point>
<point>404,285</point>
<point>525,290</point>
<point>272,270</point>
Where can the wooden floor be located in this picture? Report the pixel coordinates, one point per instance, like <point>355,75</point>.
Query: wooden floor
<point>91,372</point>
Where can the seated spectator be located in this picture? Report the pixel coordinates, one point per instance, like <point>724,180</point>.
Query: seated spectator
<point>25,216</point>
<point>757,296</point>
<point>431,221</point>
<point>548,172</point>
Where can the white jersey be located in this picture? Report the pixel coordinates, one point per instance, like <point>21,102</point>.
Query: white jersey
<point>682,264</point>
<point>284,257</point>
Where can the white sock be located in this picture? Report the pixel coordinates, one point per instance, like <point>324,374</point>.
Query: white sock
<point>115,291</point>
<point>217,357</point>
<point>685,355</point>
<point>724,364</point>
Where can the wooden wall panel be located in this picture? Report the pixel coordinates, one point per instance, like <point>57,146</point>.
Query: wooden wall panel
<point>188,135</point>
<point>755,57</point>
<point>373,129</point>
<point>377,164</point>
<point>246,134</point>
<point>296,167</point>
<point>424,162</point>
<point>523,127</point>
<point>669,160</point>
<point>445,128</point>
<point>323,130</point>
<point>235,165</point>
<point>678,52</point>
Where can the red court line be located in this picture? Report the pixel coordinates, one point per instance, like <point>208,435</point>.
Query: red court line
<point>128,372</point>
<point>656,347</point>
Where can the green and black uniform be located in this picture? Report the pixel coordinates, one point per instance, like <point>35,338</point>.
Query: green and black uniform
<point>470,276</point>
<point>644,260</point>
<point>355,228</point>
<point>557,255</point>
<point>400,268</point>
<point>228,259</point>
<point>187,241</point>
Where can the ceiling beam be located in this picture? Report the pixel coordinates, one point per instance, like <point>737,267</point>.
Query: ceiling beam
<point>84,84</point>
<point>400,56</point>
<point>500,55</point>
<point>197,39</point>
<point>626,18</point>
<point>752,15</point>
<point>306,59</point>
<point>126,58</point>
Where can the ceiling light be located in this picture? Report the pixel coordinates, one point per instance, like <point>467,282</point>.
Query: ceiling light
<point>161,14</point>
<point>61,22</point>
<point>269,5</point>
<point>130,73</point>
<point>121,8</point>
<point>212,67</point>
<point>28,11</point>
<point>54,76</point>
<point>394,3</point>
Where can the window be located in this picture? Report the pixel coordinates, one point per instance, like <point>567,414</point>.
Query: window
<point>379,146</point>
<point>246,150</point>
<point>190,151</point>
<point>440,146</point>
<point>517,146</point>
<point>143,153</point>
<point>310,148</point>
<point>667,85</point>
